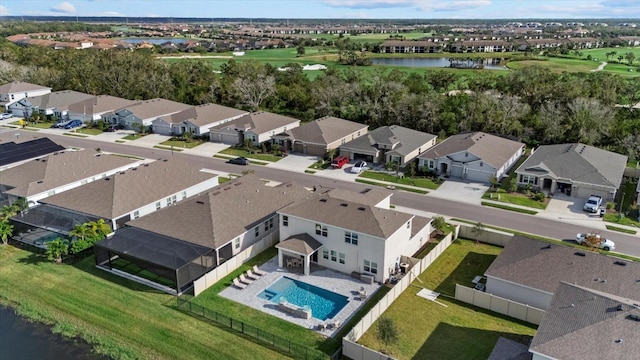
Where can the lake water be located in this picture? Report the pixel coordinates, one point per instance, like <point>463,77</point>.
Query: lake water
<point>20,339</point>
<point>443,62</point>
<point>155,41</point>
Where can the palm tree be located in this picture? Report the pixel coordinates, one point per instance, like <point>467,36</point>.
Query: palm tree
<point>8,211</point>
<point>55,250</point>
<point>81,231</point>
<point>620,58</point>
<point>478,229</point>
<point>630,57</point>
<point>440,224</point>
<point>6,230</point>
<point>100,228</point>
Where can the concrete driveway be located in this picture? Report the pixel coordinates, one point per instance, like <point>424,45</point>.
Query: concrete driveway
<point>343,174</point>
<point>569,209</point>
<point>459,190</point>
<point>292,162</point>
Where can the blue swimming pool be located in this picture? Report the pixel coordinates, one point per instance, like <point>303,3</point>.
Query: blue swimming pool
<point>324,304</point>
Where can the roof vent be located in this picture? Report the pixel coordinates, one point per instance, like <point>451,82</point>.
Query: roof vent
<point>579,253</point>
<point>165,160</point>
<point>200,202</point>
<point>289,185</point>
<point>344,204</point>
<point>620,307</point>
<point>227,188</point>
<point>121,172</point>
<point>146,165</point>
<point>237,184</point>
<point>620,263</point>
<point>216,192</point>
<point>619,341</point>
<point>40,181</point>
<point>323,200</point>
<point>365,191</point>
<point>108,179</point>
<point>361,208</point>
<point>134,169</point>
<point>634,317</point>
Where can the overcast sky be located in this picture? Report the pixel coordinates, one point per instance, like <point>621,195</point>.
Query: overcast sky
<point>331,9</point>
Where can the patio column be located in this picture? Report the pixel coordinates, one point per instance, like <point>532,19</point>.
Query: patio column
<point>280,258</point>
<point>307,265</point>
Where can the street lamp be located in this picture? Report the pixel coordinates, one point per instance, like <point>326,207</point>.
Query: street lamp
<point>620,210</point>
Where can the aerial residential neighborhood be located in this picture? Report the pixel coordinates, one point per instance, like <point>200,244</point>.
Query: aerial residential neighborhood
<point>272,188</point>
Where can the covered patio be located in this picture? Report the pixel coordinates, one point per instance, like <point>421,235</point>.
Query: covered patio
<point>297,251</point>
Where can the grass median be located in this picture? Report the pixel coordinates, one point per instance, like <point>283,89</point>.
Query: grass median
<point>510,208</point>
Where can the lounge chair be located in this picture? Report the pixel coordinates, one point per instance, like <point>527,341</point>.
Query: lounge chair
<point>243,279</point>
<point>334,325</point>
<point>252,276</point>
<point>362,291</point>
<point>258,271</point>
<point>322,327</point>
<point>238,284</point>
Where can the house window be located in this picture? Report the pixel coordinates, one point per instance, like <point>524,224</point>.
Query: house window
<point>466,154</point>
<point>285,220</point>
<point>174,199</point>
<point>431,164</point>
<point>184,195</point>
<point>321,230</point>
<point>168,201</point>
<point>370,267</point>
<point>268,224</point>
<point>236,243</point>
<point>481,164</point>
<point>528,179</point>
<point>271,223</point>
<point>341,258</point>
<point>257,231</point>
<point>158,205</point>
<point>351,238</point>
<point>136,214</point>
<point>409,225</point>
<point>334,256</point>
<point>325,254</point>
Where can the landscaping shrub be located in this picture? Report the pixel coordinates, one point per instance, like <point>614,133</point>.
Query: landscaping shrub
<point>539,196</point>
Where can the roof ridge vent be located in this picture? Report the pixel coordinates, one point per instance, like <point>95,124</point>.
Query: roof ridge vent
<point>362,208</point>
<point>200,202</point>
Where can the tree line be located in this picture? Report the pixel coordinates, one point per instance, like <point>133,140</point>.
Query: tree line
<point>533,104</point>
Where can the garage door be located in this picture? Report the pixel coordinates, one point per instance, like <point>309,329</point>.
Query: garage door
<point>456,171</point>
<point>584,193</point>
<point>162,130</point>
<point>231,138</point>
<point>477,175</point>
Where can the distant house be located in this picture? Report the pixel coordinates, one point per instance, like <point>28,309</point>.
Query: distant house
<point>350,232</point>
<point>474,156</point>
<point>388,144</point>
<point>574,169</point>
<point>17,90</point>
<point>143,113</point>
<point>319,136</point>
<point>197,120</point>
<point>134,193</point>
<point>258,127</point>
<point>52,104</point>
<point>402,46</point>
<point>529,271</point>
<point>101,104</point>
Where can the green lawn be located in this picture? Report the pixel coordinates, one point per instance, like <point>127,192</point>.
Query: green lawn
<point>245,153</point>
<point>556,64</point>
<point>398,187</point>
<point>320,165</point>
<point>601,54</point>
<point>422,182</point>
<point>182,144</point>
<point>510,208</point>
<point>619,229</point>
<point>39,125</point>
<point>90,131</point>
<point>428,330</point>
<point>120,318</point>
<point>134,136</point>
<point>515,198</point>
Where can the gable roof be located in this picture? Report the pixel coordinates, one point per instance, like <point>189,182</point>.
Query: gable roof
<point>205,114</point>
<point>258,122</point>
<point>493,150</point>
<point>367,196</point>
<point>325,130</point>
<point>540,265</point>
<point>303,244</point>
<point>126,191</point>
<point>101,104</point>
<point>58,100</point>
<point>155,107</point>
<point>361,218</point>
<point>577,162</point>
<point>586,324</point>
<point>55,170</point>
<point>406,140</point>
<point>12,152</point>
<point>223,213</point>
<point>19,87</point>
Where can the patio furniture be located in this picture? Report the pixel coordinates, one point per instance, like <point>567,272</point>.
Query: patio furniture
<point>243,279</point>
<point>362,291</point>
<point>334,325</point>
<point>258,271</point>
<point>238,284</point>
<point>252,276</point>
<point>289,263</point>
<point>322,327</point>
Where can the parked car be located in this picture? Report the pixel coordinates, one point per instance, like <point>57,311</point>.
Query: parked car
<point>340,161</point>
<point>114,127</point>
<point>4,116</point>
<point>60,124</point>
<point>73,124</point>
<point>359,167</point>
<point>605,244</point>
<point>239,161</point>
<point>592,204</point>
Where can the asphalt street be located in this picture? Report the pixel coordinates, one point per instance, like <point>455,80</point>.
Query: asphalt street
<point>626,244</point>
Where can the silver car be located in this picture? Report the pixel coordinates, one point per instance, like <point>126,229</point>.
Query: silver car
<point>359,167</point>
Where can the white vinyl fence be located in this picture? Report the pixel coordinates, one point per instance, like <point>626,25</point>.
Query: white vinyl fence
<point>500,305</point>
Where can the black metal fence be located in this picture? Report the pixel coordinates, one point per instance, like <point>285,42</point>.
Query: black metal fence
<point>275,342</point>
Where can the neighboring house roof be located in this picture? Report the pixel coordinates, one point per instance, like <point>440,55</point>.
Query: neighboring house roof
<point>368,196</point>
<point>418,223</point>
<point>493,150</point>
<point>506,349</point>
<point>540,265</point>
<point>325,130</point>
<point>576,162</point>
<point>361,218</point>
<point>127,191</point>
<point>586,324</point>
<point>102,104</point>
<point>20,87</point>
<point>204,114</point>
<point>303,244</point>
<point>403,140</point>
<point>57,100</point>
<point>223,213</point>
<point>12,152</point>
<point>56,170</point>
<point>258,122</point>
<point>155,107</point>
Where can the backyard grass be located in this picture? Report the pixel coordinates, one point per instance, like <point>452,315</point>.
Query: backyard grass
<point>182,144</point>
<point>422,182</point>
<point>428,330</point>
<point>515,198</point>
<point>120,318</point>
<point>510,208</point>
<point>242,152</point>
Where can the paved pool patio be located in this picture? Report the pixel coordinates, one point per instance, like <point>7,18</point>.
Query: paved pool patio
<point>324,278</point>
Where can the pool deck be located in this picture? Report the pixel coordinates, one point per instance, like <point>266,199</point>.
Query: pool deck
<point>327,279</point>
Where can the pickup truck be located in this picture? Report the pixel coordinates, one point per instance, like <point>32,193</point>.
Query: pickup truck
<point>592,204</point>
<point>605,244</point>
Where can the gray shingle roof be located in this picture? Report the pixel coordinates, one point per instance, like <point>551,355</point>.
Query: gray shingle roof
<point>155,107</point>
<point>203,114</point>
<point>124,192</point>
<point>301,243</point>
<point>493,150</point>
<point>223,213</point>
<point>577,162</point>
<point>325,130</point>
<point>60,100</point>
<point>585,324</point>
<point>368,196</point>
<point>540,265</point>
<point>406,140</point>
<point>258,122</point>
<point>19,87</point>
<point>102,104</point>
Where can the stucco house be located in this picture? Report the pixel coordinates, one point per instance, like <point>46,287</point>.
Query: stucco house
<point>101,104</point>
<point>143,113</point>
<point>350,232</point>
<point>529,271</point>
<point>319,136</point>
<point>197,120</point>
<point>474,156</point>
<point>388,144</point>
<point>137,192</point>
<point>51,104</point>
<point>18,90</point>
<point>573,169</point>
<point>258,127</point>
